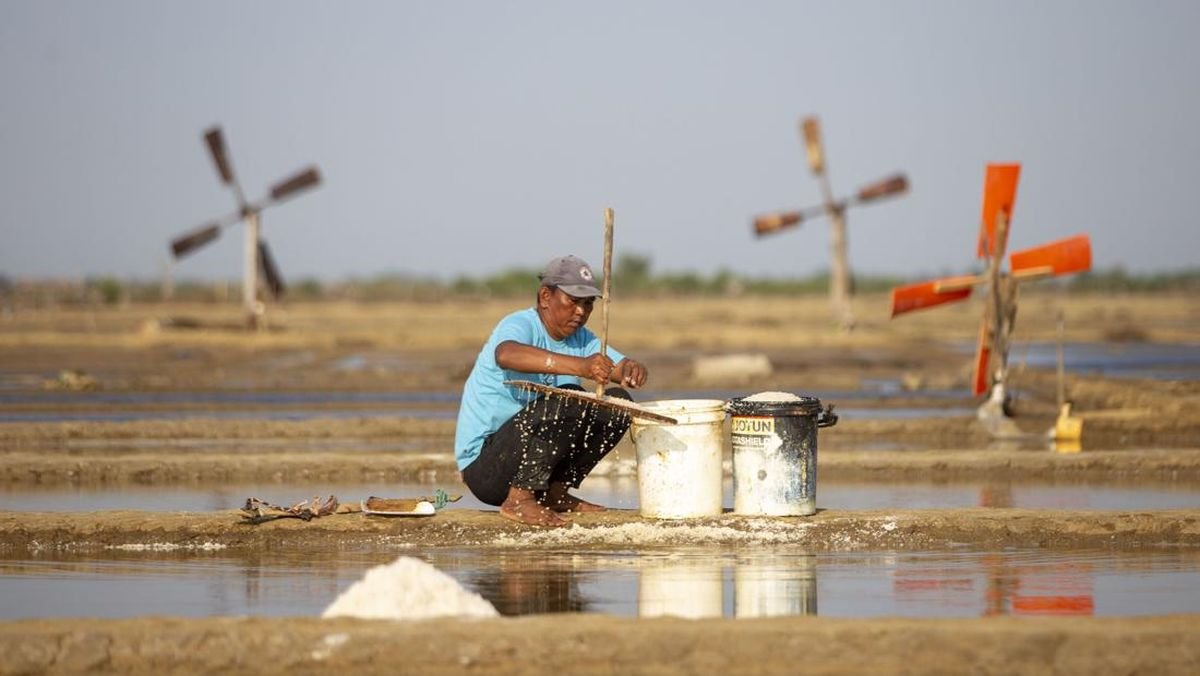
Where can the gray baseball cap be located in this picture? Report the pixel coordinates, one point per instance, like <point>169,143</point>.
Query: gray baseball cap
<point>573,275</point>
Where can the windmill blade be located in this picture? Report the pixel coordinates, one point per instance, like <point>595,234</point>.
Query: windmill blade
<point>981,376</point>
<point>771,223</point>
<point>216,147</point>
<point>1062,257</point>
<point>892,185</point>
<point>270,272</point>
<point>306,179</point>
<point>195,239</point>
<point>810,128</point>
<point>999,194</point>
<point>932,293</point>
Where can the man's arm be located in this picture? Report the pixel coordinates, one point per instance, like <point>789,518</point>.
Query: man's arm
<point>528,359</point>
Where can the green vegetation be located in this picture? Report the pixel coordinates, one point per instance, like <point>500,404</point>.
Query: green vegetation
<point>1117,280</point>
<point>634,275</point>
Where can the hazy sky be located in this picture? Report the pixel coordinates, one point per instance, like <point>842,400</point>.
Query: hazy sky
<point>469,137</point>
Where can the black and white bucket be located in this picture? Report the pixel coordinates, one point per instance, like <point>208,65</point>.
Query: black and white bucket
<point>774,439</point>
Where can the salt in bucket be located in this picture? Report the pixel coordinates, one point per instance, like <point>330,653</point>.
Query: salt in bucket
<point>774,439</point>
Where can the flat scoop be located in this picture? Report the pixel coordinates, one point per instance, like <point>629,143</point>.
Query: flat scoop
<point>627,407</point>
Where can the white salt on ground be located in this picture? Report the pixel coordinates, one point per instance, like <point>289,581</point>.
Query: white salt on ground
<point>772,396</point>
<point>765,531</point>
<point>408,589</point>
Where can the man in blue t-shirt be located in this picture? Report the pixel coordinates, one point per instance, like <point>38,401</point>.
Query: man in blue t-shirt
<point>523,451</point>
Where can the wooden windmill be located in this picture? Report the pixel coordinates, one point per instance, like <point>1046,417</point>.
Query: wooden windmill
<point>840,279</point>
<point>1062,257</point>
<point>258,265</point>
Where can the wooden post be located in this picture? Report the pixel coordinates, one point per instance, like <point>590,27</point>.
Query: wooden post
<point>839,263</point>
<point>999,310</point>
<point>167,292</point>
<point>250,270</point>
<point>839,271</point>
<point>608,243</point>
<point>1060,370</point>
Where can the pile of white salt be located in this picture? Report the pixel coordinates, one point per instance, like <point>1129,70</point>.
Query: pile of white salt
<point>408,589</point>
<point>772,396</point>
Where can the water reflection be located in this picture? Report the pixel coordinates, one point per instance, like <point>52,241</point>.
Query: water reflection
<point>690,587</point>
<point>1054,588</point>
<point>515,587</point>
<point>773,586</point>
<point>682,583</point>
<point>697,582</point>
<point>1000,585</point>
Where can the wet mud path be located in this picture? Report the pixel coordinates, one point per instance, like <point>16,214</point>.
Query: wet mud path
<point>590,644</point>
<point>828,530</point>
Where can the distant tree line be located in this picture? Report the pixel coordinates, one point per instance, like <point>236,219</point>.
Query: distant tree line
<point>633,276</point>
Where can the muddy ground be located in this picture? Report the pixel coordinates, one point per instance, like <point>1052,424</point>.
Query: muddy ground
<point>899,529</point>
<point>1136,431</point>
<point>592,644</point>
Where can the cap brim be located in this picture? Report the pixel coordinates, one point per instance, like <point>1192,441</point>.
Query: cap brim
<point>581,291</point>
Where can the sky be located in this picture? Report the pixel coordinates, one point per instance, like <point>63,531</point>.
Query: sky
<point>470,137</point>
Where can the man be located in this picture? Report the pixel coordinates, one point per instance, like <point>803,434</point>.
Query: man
<point>524,451</point>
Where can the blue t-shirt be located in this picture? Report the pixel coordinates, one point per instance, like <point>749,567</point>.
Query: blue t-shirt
<point>487,403</point>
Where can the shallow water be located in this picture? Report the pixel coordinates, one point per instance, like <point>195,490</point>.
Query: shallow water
<point>101,406</point>
<point>871,389</point>
<point>296,414</point>
<point>685,582</point>
<point>1123,360</point>
<point>619,492</point>
<point>293,414</point>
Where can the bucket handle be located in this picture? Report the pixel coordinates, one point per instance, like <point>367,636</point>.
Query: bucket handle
<point>827,418</point>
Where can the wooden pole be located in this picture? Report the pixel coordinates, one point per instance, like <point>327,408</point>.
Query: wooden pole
<point>1061,370</point>
<point>250,269</point>
<point>1000,307</point>
<point>839,261</point>
<point>608,243</point>
<point>839,271</point>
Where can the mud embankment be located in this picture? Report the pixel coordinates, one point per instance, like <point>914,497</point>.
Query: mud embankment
<point>828,530</point>
<point>592,644</point>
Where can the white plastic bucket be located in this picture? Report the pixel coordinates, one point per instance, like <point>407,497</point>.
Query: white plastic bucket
<point>679,466</point>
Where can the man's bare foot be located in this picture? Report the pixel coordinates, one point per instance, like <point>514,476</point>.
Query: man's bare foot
<point>559,500</point>
<point>528,511</point>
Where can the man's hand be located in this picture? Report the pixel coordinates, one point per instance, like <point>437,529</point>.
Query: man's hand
<point>598,367</point>
<point>631,373</point>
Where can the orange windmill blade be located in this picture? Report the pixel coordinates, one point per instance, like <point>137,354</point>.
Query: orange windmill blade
<point>981,374</point>
<point>999,194</point>
<point>1063,257</point>
<point>932,293</point>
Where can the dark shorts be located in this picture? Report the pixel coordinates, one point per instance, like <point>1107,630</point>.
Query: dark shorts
<point>551,440</point>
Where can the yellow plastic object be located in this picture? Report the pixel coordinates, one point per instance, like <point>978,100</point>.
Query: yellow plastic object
<point>1067,427</point>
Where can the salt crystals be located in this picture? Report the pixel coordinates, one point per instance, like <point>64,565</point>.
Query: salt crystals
<point>772,396</point>
<point>408,589</point>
